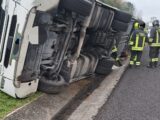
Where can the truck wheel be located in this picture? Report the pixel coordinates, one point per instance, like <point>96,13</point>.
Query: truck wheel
<point>94,19</point>
<point>119,26</point>
<point>82,7</point>
<point>109,21</point>
<point>104,66</point>
<point>104,19</point>
<point>101,19</point>
<point>122,16</point>
<point>48,86</point>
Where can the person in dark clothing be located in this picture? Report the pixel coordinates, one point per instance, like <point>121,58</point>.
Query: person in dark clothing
<point>137,43</point>
<point>154,43</point>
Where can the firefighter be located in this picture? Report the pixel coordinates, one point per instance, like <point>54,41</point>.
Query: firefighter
<point>115,56</point>
<point>137,43</point>
<point>154,43</point>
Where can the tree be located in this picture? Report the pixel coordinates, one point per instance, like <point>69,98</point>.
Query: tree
<point>128,7</point>
<point>115,3</point>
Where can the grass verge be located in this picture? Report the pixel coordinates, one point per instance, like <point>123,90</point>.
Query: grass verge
<point>9,104</point>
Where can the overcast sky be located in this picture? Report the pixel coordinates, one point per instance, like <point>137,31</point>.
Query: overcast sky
<point>147,8</point>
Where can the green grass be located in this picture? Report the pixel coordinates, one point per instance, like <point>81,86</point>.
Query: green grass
<point>8,104</point>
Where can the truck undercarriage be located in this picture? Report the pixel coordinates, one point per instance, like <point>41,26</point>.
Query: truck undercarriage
<point>75,40</point>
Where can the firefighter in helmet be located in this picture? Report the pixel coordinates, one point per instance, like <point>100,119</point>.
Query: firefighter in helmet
<point>137,43</point>
<point>154,44</point>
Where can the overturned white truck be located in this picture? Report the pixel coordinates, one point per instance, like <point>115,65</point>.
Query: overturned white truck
<point>47,44</point>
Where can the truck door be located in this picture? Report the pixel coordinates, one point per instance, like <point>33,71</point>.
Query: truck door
<point>7,39</point>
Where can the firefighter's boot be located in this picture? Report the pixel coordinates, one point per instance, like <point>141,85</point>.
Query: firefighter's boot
<point>150,65</point>
<point>155,64</point>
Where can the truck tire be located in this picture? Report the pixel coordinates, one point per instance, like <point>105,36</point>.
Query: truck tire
<point>119,26</point>
<point>122,16</point>
<point>47,86</point>
<point>94,19</point>
<point>101,19</point>
<point>104,66</point>
<point>82,7</point>
<point>104,19</point>
<point>109,21</point>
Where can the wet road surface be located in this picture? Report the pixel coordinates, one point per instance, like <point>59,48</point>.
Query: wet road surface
<point>137,97</point>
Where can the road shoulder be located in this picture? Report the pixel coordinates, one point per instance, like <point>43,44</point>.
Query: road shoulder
<point>90,107</point>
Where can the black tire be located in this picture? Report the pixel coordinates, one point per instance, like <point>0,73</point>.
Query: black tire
<point>104,19</point>
<point>109,23</point>
<point>47,86</point>
<point>104,66</point>
<point>94,19</point>
<point>122,16</point>
<point>82,7</point>
<point>101,19</point>
<point>119,26</point>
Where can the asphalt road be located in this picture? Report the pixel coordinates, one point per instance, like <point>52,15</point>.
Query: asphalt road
<point>137,97</point>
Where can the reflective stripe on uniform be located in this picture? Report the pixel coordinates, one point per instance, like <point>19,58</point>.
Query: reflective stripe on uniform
<point>137,39</point>
<point>131,42</point>
<point>154,60</point>
<point>137,48</point>
<point>144,40</point>
<point>131,62</point>
<point>157,36</point>
<point>155,45</point>
<point>150,39</point>
<point>114,49</point>
<point>135,58</point>
<point>138,63</point>
<point>117,58</point>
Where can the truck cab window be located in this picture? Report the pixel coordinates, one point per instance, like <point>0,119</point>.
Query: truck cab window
<point>2,17</point>
<point>10,40</point>
<point>2,42</point>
